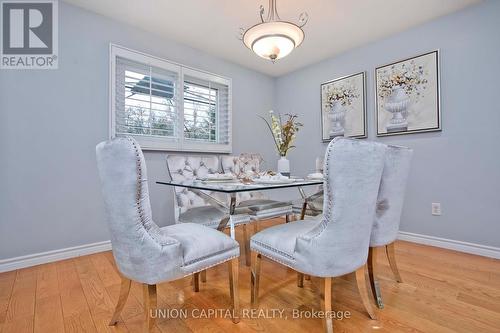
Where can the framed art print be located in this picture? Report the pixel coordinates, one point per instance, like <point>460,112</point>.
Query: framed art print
<point>343,107</point>
<point>407,96</point>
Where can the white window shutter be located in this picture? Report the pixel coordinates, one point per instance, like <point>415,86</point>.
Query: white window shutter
<point>166,106</point>
<point>207,118</point>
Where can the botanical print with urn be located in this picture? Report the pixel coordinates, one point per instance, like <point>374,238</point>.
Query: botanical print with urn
<point>407,96</point>
<point>343,107</point>
<point>283,133</point>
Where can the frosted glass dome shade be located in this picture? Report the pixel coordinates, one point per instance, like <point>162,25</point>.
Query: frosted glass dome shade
<point>273,40</point>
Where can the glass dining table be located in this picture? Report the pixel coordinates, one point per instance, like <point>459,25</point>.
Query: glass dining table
<point>231,188</point>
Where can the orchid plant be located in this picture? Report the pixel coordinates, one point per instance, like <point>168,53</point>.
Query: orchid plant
<point>283,133</point>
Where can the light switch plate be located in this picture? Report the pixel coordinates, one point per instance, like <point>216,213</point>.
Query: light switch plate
<point>436,208</point>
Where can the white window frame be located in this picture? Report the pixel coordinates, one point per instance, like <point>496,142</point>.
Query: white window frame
<point>166,144</point>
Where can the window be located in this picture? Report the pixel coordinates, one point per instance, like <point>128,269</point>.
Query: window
<point>167,106</point>
<point>200,104</point>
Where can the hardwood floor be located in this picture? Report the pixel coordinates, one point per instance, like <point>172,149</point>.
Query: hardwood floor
<point>443,291</point>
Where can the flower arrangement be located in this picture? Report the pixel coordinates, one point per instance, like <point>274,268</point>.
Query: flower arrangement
<point>344,94</point>
<point>412,78</point>
<point>283,133</point>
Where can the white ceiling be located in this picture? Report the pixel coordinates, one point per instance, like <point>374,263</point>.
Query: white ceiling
<point>213,25</point>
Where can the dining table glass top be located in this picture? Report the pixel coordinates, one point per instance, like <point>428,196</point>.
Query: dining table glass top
<point>235,186</point>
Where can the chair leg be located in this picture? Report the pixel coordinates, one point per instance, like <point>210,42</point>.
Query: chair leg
<point>255,227</point>
<point>246,240</point>
<point>300,280</point>
<point>287,218</point>
<point>196,282</point>
<point>122,299</point>
<point>391,256</point>
<point>372,274</point>
<point>327,305</point>
<point>149,292</point>
<point>303,211</point>
<point>203,276</point>
<point>255,277</point>
<point>363,291</point>
<point>234,290</point>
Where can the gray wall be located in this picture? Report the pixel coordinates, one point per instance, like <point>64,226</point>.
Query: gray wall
<point>51,121</point>
<point>460,166</point>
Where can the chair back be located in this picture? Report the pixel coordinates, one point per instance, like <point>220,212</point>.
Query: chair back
<point>189,167</point>
<point>139,245</point>
<point>391,195</point>
<point>339,244</point>
<point>239,166</point>
<point>245,163</point>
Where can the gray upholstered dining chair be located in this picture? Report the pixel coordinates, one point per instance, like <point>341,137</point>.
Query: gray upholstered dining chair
<point>143,251</point>
<point>388,214</point>
<point>261,206</point>
<point>336,244</point>
<point>191,207</point>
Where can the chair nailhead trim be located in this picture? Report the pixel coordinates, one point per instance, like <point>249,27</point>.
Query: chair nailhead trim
<point>327,194</point>
<point>267,255</point>
<point>139,207</point>
<point>207,267</point>
<point>270,248</point>
<point>194,261</point>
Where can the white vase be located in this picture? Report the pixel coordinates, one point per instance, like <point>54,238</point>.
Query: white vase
<point>284,166</point>
<point>397,103</point>
<point>336,115</point>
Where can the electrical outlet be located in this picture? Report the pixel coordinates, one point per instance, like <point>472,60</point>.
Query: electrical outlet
<point>436,208</point>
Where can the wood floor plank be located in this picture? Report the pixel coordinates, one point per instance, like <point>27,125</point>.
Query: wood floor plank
<point>107,273</point>
<point>46,281</point>
<point>136,324</point>
<point>76,313</point>
<point>6,286</point>
<point>481,270</point>
<point>132,307</point>
<point>19,325</point>
<point>100,304</point>
<point>22,300</point>
<point>443,291</point>
<point>21,309</point>
<point>48,315</point>
<point>111,280</point>
<point>484,301</point>
<point>439,308</point>
<point>48,310</point>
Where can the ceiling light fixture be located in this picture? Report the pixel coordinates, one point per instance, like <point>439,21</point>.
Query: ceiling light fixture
<point>273,38</point>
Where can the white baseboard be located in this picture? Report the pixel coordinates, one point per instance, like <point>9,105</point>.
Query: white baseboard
<point>481,250</point>
<point>76,251</point>
<point>50,256</point>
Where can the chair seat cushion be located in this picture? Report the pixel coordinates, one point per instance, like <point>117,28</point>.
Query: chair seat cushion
<point>209,216</point>
<point>278,242</point>
<point>202,247</point>
<point>266,208</point>
<point>261,204</point>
